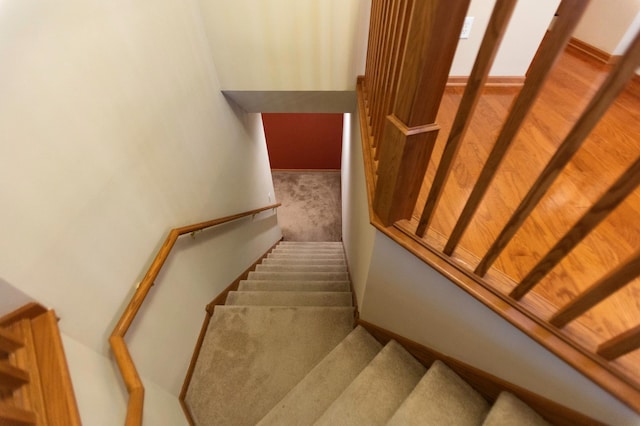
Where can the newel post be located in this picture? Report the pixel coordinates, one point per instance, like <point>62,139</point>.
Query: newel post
<point>410,131</point>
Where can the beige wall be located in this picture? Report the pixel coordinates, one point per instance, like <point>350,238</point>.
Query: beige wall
<point>283,44</point>
<point>357,233</point>
<point>406,296</point>
<point>101,396</point>
<point>113,130</point>
<point>605,24</point>
<point>528,25</point>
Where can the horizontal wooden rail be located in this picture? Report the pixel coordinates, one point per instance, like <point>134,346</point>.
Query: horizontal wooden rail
<point>123,358</point>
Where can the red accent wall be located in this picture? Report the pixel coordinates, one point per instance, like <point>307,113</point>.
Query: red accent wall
<point>303,141</point>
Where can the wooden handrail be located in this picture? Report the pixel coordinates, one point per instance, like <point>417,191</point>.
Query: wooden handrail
<point>123,358</point>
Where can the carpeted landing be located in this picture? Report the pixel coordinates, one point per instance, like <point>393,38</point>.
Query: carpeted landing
<point>311,204</point>
<point>284,351</point>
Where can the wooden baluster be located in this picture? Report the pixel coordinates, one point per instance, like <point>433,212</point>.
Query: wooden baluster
<point>625,184</point>
<point>375,90</point>
<point>399,43</point>
<point>490,43</point>
<point>374,32</point>
<point>552,46</point>
<point>370,64</point>
<point>384,53</point>
<point>410,130</point>
<point>370,41</point>
<point>605,287</point>
<point>620,345</point>
<point>600,103</point>
<point>378,112</point>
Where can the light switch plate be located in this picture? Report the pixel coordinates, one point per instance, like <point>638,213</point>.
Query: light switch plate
<point>466,27</point>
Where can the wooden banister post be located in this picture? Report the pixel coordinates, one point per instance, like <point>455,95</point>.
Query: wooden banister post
<point>410,131</point>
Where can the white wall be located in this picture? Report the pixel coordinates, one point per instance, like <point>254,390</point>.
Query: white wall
<point>605,23</point>
<point>11,298</point>
<point>101,396</point>
<point>529,22</point>
<point>282,44</point>
<point>357,233</point>
<point>406,296</point>
<point>113,130</point>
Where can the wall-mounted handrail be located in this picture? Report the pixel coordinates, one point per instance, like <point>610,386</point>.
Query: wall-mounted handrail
<point>127,367</point>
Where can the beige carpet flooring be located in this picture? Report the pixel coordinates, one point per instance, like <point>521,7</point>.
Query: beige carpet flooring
<point>311,205</point>
<point>292,357</point>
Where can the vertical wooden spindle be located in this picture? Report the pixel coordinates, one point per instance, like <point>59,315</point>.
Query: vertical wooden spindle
<point>552,46</point>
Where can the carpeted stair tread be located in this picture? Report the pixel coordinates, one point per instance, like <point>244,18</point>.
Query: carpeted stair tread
<point>441,398</point>
<point>308,250</point>
<point>319,245</point>
<point>268,285</point>
<point>310,243</point>
<point>509,410</point>
<point>252,356</point>
<point>299,255</point>
<point>299,276</point>
<point>301,268</point>
<point>377,391</point>
<point>303,261</point>
<point>289,298</point>
<point>310,398</point>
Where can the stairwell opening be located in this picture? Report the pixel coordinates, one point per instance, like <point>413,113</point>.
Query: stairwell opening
<point>305,151</point>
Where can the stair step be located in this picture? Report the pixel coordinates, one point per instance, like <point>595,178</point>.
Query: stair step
<point>252,356</point>
<point>298,276</point>
<point>10,415</point>
<point>299,255</point>
<point>31,395</point>
<point>12,377</point>
<point>313,395</point>
<point>9,341</point>
<point>509,410</point>
<point>301,268</point>
<point>441,397</point>
<point>377,391</point>
<point>311,243</point>
<point>268,285</point>
<point>303,261</point>
<point>308,250</point>
<point>289,298</point>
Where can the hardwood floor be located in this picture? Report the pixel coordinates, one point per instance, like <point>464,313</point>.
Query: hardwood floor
<point>609,150</point>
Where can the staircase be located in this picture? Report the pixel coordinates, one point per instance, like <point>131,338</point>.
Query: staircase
<point>283,351</point>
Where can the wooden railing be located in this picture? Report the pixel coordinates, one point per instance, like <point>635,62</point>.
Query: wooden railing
<point>411,48</point>
<point>127,367</point>
<point>35,384</point>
